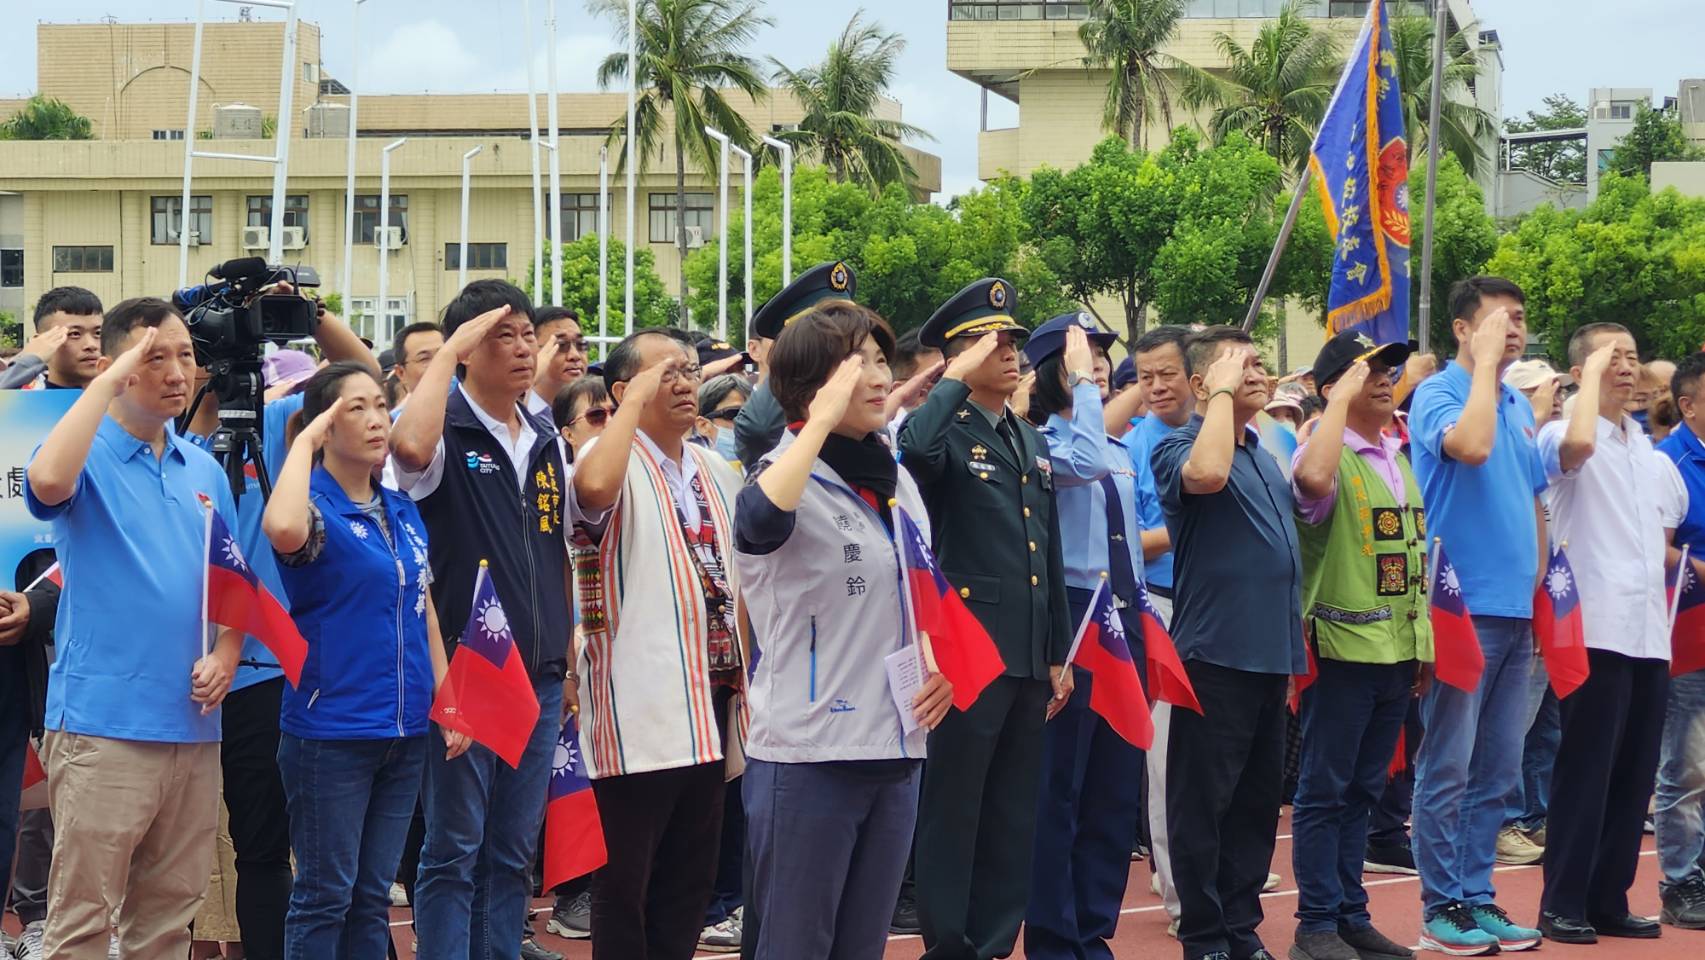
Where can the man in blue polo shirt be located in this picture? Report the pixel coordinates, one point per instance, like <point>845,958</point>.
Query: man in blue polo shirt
<point>1472,439</point>
<point>1680,813</point>
<point>132,747</point>
<point>1165,382</point>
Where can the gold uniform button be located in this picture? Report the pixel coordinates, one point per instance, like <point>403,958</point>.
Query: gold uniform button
<point>1032,546</point>
<point>1024,479</point>
<point>965,592</point>
<point>1027,511</point>
<point>1033,580</point>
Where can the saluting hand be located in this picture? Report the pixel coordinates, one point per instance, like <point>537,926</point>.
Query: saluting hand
<point>314,434</point>
<point>961,366</point>
<point>1486,346</point>
<point>1078,355</point>
<point>1226,372</point>
<point>468,336</point>
<point>47,343</point>
<point>830,404</point>
<point>1349,385</point>
<point>122,374</point>
<point>645,384</point>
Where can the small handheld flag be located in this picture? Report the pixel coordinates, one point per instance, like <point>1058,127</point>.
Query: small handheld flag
<point>1116,691</point>
<point>1457,657</point>
<point>52,574</point>
<point>33,796</point>
<point>486,693</point>
<point>1302,681</point>
<point>1167,679</point>
<point>234,597</point>
<point>1687,619</point>
<point>1557,625</point>
<point>574,836</point>
<point>962,647</point>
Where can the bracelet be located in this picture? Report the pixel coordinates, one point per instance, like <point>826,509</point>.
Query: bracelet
<point>1228,391</point>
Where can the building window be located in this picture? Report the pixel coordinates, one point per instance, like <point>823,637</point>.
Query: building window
<point>701,213</point>
<point>295,212</point>
<point>481,256</point>
<point>168,134</point>
<point>11,268</point>
<point>367,215</point>
<point>168,217</point>
<point>1621,110</point>
<point>1605,158</point>
<point>82,259</point>
<point>579,216</point>
<point>364,321</point>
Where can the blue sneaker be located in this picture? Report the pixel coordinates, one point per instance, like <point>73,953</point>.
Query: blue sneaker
<point>1496,922</point>
<point>1454,932</point>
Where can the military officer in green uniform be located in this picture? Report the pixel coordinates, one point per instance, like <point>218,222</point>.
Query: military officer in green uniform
<point>985,476</point>
<point>758,427</point>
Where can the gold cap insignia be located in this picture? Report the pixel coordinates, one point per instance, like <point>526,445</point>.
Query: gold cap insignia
<point>997,295</point>
<point>839,278</point>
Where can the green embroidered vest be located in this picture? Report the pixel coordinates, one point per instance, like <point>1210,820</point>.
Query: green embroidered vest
<point>1364,592</point>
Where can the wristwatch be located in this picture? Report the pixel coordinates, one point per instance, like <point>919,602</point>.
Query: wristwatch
<point>1080,376</point>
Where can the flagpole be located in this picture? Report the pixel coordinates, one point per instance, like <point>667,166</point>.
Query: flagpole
<point>1680,585</point>
<point>1432,176</point>
<point>1433,562</point>
<point>206,552</point>
<point>919,638</point>
<point>1278,249</point>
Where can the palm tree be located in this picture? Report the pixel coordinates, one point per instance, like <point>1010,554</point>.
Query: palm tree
<point>1125,36</point>
<point>1463,126</point>
<point>840,97</point>
<point>1276,91</point>
<point>686,52</point>
<point>44,118</point>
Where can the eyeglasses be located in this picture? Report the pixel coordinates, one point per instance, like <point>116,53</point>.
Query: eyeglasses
<point>726,414</point>
<point>686,372</point>
<point>594,417</point>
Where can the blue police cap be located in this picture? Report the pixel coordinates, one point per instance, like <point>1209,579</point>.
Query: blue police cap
<point>826,281</point>
<point>1050,337</point>
<point>1124,374</point>
<point>984,306</point>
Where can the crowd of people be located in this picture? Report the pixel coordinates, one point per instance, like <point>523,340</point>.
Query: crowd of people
<point>701,554</point>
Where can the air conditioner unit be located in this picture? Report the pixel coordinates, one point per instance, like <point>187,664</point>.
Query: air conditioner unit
<point>295,238</point>
<point>695,237</point>
<point>195,238</point>
<point>390,239</point>
<point>255,238</point>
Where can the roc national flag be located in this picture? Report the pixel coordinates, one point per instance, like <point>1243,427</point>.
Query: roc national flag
<point>574,836</point>
<point>1167,679</point>
<point>1360,165</point>
<point>236,598</point>
<point>1557,624</point>
<point>486,693</point>
<point>963,649</point>
<point>1687,630</point>
<point>1116,691</point>
<point>1457,658</point>
<point>53,574</point>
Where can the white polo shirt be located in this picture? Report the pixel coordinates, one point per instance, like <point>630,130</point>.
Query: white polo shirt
<point>1614,512</point>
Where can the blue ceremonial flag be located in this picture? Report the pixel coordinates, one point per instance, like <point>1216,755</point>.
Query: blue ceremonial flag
<point>1360,161</point>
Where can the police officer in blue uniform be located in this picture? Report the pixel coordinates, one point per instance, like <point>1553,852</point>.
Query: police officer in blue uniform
<point>987,481</point>
<point>758,427</point>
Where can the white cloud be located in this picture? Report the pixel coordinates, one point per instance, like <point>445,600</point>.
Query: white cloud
<point>419,56</point>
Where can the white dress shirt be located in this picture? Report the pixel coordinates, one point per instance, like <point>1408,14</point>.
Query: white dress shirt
<point>1614,512</point>
<point>421,485</point>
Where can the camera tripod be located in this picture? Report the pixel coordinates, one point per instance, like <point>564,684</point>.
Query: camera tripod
<point>238,388</point>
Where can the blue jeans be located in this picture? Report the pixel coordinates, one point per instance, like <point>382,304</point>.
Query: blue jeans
<point>1470,760</point>
<point>14,740</point>
<point>1530,799</point>
<point>350,802</point>
<point>1351,717</point>
<point>482,828</point>
<point>1681,781</point>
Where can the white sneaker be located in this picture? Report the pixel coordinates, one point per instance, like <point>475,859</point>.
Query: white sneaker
<point>29,944</point>
<point>1172,929</point>
<point>1154,884</point>
<point>722,937</point>
<point>1271,884</point>
<point>399,896</point>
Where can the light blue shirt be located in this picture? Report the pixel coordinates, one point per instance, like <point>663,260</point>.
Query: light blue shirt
<point>256,548</point>
<point>131,541</point>
<point>1082,455</point>
<point>1485,514</point>
<point>1140,442</point>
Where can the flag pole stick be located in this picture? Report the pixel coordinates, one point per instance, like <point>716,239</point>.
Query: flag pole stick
<point>206,551</point>
<point>1278,249</point>
<point>1433,562</point>
<point>1680,585</point>
<point>1426,317</point>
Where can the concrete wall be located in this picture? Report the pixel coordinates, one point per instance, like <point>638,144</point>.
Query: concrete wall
<point>1520,191</point>
<point>1688,178</point>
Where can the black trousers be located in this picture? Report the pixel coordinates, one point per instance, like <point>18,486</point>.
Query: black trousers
<point>662,830</point>
<point>1606,761</point>
<point>260,825</point>
<point>1224,776</point>
<point>1389,821</point>
<point>976,821</point>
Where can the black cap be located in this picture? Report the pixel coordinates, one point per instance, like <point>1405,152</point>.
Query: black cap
<point>1346,348</point>
<point>826,281</point>
<point>1124,374</point>
<point>1050,337</point>
<point>711,350</point>
<point>985,306</point>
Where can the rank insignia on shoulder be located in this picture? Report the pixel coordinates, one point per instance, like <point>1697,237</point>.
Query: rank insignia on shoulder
<point>963,414</point>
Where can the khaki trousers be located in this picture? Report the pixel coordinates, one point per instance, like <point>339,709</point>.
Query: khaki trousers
<point>136,826</point>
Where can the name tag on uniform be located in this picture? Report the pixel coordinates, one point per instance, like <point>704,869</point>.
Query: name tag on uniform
<point>1045,465</point>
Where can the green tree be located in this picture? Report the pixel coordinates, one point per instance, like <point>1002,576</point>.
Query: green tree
<point>1274,92</point>
<point>11,331</point>
<point>1563,161</point>
<point>1464,128</point>
<point>909,257</point>
<point>1632,257</point>
<point>1657,136</point>
<point>841,97</point>
<point>652,305</point>
<point>44,118</point>
<point>1126,37</point>
<point>687,53</point>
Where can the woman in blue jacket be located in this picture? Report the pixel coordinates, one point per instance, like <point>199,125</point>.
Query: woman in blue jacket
<point>354,732</point>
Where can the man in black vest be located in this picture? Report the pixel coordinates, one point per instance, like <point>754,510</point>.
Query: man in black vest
<point>490,483</point>
<point>985,477</point>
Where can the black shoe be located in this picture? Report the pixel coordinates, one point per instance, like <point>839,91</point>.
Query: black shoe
<point>1684,904</point>
<point>1565,930</point>
<point>530,950</point>
<point>1394,858</point>
<point>1321,945</point>
<point>1370,944</point>
<point>905,922</point>
<point>1627,926</point>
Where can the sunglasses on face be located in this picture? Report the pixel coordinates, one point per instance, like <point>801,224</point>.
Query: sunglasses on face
<point>725,415</point>
<point>595,417</point>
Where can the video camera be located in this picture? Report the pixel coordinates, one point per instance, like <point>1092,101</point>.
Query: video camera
<point>232,320</point>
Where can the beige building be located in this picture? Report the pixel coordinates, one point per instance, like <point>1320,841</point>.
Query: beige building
<point>1028,52</point>
<point>105,213</point>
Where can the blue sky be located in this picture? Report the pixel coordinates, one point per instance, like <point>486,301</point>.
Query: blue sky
<point>457,46</point>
